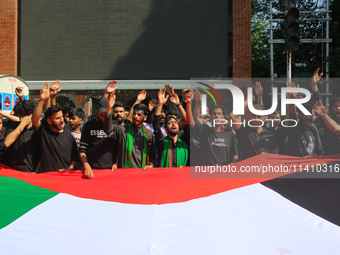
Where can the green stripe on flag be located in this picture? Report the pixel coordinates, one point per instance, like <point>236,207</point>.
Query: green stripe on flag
<point>18,197</point>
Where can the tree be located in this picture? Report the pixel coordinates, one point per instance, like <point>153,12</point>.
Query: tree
<point>260,55</point>
<point>312,55</point>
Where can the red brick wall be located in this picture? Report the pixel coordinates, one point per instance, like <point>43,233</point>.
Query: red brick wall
<point>241,38</point>
<point>8,36</point>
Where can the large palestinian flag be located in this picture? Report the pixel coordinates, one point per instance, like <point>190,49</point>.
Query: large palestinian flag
<point>165,211</point>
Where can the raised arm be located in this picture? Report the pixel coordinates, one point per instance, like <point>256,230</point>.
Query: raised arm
<point>152,103</point>
<point>110,128</point>
<point>111,103</point>
<point>259,92</point>
<point>175,100</point>
<point>140,98</point>
<point>109,89</point>
<point>188,96</point>
<point>197,110</point>
<point>13,136</point>
<point>9,116</point>
<point>169,89</point>
<point>162,99</point>
<point>19,91</point>
<point>55,89</point>
<point>291,108</point>
<point>329,122</point>
<point>316,77</point>
<point>45,94</point>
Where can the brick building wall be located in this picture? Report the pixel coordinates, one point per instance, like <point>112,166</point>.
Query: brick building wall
<point>8,37</point>
<point>241,38</point>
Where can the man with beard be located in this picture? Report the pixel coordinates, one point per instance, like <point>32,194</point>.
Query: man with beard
<point>76,117</point>
<point>135,142</point>
<point>173,151</point>
<point>303,139</point>
<point>118,113</point>
<point>96,150</point>
<point>217,145</point>
<point>58,148</point>
<point>162,116</point>
<point>255,139</point>
<point>21,139</point>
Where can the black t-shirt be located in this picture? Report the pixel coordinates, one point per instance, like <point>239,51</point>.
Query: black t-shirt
<point>24,153</point>
<point>58,150</point>
<point>281,134</point>
<point>101,151</point>
<point>216,147</point>
<point>304,139</point>
<point>252,143</point>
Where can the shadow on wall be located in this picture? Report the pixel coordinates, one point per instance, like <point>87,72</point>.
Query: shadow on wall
<point>180,39</point>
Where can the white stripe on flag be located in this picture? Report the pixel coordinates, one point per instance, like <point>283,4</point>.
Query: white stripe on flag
<point>248,220</point>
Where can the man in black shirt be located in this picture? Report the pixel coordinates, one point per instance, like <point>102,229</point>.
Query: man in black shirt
<point>135,142</point>
<point>21,140</point>
<point>256,139</point>
<point>217,145</point>
<point>58,148</point>
<point>273,125</point>
<point>96,150</point>
<point>303,139</point>
<point>172,150</point>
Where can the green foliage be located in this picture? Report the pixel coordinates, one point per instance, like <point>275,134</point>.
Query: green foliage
<point>311,54</point>
<point>259,40</point>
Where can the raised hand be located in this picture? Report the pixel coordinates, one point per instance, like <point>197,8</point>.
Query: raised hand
<point>174,99</point>
<point>258,89</point>
<point>188,97</point>
<point>198,96</point>
<point>141,96</point>
<point>111,102</point>
<point>55,89</point>
<point>292,85</point>
<point>45,93</point>
<point>152,104</point>
<point>111,87</point>
<point>19,91</point>
<point>169,89</point>
<point>320,109</point>
<point>316,76</point>
<point>161,97</point>
<point>187,93</point>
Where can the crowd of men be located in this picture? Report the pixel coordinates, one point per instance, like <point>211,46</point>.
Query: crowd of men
<point>164,133</point>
